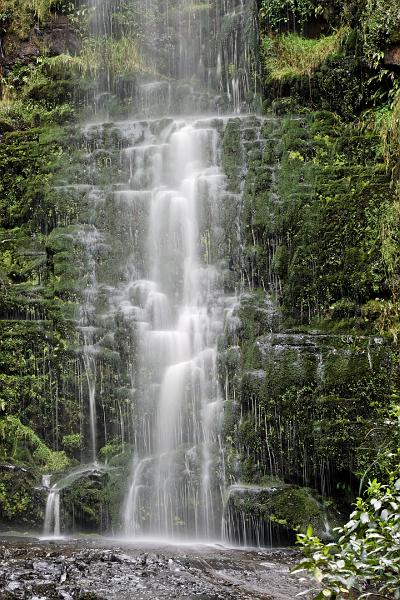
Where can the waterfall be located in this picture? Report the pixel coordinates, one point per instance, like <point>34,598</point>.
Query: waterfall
<point>156,283</point>
<point>179,305</point>
<point>194,54</point>
<point>52,515</point>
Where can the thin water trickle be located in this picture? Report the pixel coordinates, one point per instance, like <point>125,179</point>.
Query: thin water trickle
<point>89,240</point>
<point>52,525</point>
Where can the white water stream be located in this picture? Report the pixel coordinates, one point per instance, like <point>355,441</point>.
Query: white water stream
<point>178,307</point>
<point>52,525</point>
<point>170,299</point>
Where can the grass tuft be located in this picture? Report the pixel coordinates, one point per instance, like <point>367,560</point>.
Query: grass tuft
<point>291,55</point>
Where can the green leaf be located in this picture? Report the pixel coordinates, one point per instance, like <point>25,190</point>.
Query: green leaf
<point>341,564</point>
<point>385,515</point>
<point>376,503</point>
<point>318,574</point>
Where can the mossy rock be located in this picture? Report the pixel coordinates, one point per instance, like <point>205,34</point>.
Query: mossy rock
<point>231,144</point>
<point>51,92</point>
<point>92,503</point>
<point>6,125</point>
<point>298,508</point>
<point>289,506</point>
<point>21,503</point>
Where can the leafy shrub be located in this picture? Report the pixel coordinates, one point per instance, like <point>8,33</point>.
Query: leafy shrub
<point>380,21</point>
<point>386,122</point>
<point>343,309</point>
<point>73,441</point>
<point>294,14</point>
<point>111,451</point>
<point>365,559</point>
<point>16,15</point>
<point>119,56</point>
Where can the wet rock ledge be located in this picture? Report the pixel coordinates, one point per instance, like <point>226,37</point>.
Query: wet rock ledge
<point>88,570</point>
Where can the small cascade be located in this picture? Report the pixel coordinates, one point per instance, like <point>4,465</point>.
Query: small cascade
<point>245,522</point>
<point>196,57</point>
<point>53,517</point>
<point>155,97</point>
<point>52,527</point>
<point>89,241</point>
<point>46,480</point>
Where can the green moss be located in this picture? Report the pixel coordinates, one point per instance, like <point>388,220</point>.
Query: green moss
<point>292,55</point>
<point>307,401</point>
<point>231,145</point>
<point>20,503</point>
<point>288,15</point>
<point>93,502</point>
<point>85,503</point>
<point>20,444</point>
<point>315,230</point>
<point>298,508</point>
<point>288,506</point>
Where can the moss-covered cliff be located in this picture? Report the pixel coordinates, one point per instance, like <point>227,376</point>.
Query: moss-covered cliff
<point>38,400</point>
<point>310,368</point>
<point>312,372</point>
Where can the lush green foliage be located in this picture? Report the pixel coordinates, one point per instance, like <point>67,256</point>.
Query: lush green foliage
<point>19,501</point>
<point>291,55</point>
<point>294,14</point>
<point>118,57</point>
<point>38,94</point>
<point>16,15</point>
<point>386,123</point>
<point>327,227</point>
<point>365,559</point>
<point>20,444</point>
<point>380,24</point>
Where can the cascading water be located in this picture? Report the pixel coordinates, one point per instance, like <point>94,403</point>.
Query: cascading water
<point>89,241</point>
<point>52,518</point>
<point>193,56</point>
<point>177,305</point>
<point>156,272</point>
<point>51,525</point>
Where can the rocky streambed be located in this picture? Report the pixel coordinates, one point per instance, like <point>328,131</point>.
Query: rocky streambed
<point>89,569</point>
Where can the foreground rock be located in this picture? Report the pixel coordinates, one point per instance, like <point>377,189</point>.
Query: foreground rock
<point>93,570</point>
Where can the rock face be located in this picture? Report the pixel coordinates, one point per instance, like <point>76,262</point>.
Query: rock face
<point>304,374</point>
<point>54,38</point>
<point>268,514</point>
<point>305,401</point>
<point>392,56</point>
<point>21,503</point>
